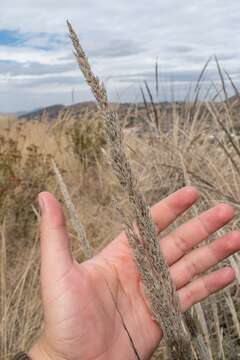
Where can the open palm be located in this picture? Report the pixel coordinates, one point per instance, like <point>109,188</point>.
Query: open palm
<point>86,305</point>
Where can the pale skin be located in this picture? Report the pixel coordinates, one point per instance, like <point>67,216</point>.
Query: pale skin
<point>80,317</point>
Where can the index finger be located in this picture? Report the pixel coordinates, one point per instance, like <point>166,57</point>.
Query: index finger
<point>168,209</point>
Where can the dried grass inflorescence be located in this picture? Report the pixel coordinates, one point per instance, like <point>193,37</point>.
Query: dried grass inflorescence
<point>77,225</point>
<point>168,146</point>
<point>151,264</point>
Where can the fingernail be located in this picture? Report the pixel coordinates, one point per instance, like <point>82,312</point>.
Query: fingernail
<point>41,204</point>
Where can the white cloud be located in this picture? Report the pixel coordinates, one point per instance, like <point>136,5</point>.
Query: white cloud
<point>26,54</point>
<point>122,40</point>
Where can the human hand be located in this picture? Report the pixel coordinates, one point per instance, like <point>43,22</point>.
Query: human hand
<point>81,320</point>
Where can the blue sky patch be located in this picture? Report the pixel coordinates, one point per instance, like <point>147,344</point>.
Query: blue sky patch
<point>37,40</point>
<point>8,37</point>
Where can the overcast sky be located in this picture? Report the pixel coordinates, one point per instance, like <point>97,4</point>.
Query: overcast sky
<point>122,39</point>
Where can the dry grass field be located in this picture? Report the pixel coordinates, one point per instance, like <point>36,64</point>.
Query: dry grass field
<point>196,144</point>
<point>196,151</point>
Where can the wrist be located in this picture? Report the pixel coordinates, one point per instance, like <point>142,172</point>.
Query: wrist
<point>40,351</point>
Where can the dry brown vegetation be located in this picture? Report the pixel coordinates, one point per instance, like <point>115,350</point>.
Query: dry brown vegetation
<point>196,143</point>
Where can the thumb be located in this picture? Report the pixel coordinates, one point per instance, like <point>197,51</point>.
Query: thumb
<point>56,257</point>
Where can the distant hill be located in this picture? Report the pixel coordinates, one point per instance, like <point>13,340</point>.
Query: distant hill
<point>20,113</point>
<point>235,99</point>
<point>53,111</point>
<point>5,114</point>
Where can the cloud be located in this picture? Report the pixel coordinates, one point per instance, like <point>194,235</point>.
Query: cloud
<point>176,76</point>
<point>118,48</point>
<point>122,41</point>
<point>182,49</point>
<point>14,68</point>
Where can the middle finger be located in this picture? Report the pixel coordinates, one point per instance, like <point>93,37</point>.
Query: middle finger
<point>185,237</point>
<point>202,259</point>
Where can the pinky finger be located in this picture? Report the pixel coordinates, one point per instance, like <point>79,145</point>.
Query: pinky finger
<point>204,286</point>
